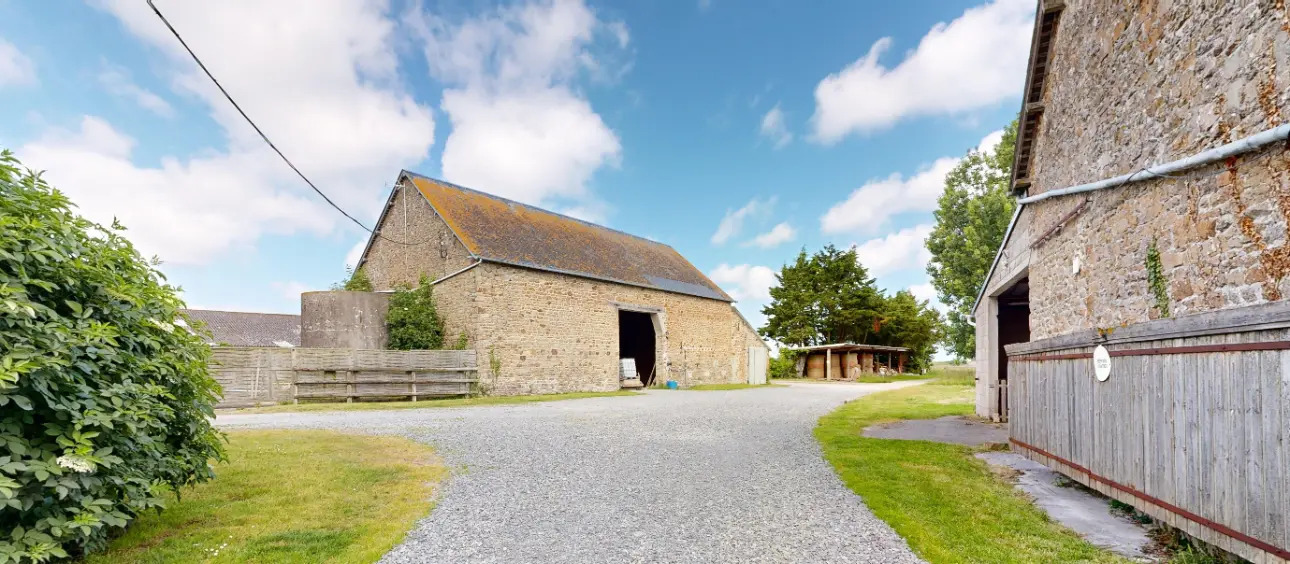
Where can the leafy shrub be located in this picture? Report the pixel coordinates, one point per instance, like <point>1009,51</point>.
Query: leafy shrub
<point>462,342</point>
<point>356,280</point>
<point>784,365</point>
<point>412,320</point>
<point>104,401</point>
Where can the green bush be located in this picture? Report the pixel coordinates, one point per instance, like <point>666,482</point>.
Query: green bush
<point>356,280</point>
<point>412,320</point>
<point>104,401</point>
<point>784,365</point>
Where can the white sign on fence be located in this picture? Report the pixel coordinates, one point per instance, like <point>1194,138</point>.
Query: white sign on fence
<point>1101,363</point>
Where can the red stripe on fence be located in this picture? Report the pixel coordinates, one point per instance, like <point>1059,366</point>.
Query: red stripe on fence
<point>1220,528</point>
<point>1154,351</point>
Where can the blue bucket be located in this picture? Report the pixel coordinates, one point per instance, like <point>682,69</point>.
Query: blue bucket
<point>671,384</point>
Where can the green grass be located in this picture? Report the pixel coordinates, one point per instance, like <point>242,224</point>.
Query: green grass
<point>291,496</point>
<point>712,387</point>
<point>877,379</point>
<point>946,503</point>
<point>423,404</point>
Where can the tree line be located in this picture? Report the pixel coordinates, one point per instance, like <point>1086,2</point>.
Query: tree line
<point>829,297</point>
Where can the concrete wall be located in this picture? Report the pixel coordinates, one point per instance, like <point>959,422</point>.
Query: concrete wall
<point>555,333</point>
<point>343,320</point>
<point>1132,87</point>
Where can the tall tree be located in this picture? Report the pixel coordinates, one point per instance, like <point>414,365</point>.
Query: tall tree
<point>910,322</point>
<point>823,298</point>
<point>971,218</point>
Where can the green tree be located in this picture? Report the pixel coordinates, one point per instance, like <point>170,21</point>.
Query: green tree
<point>105,399</point>
<point>356,280</point>
<point>971,218</point>
<point>909,322</point>
<point>827,297</point>
<point>412,320</point>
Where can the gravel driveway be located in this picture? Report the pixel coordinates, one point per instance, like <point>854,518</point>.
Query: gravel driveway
<point>668,476</point>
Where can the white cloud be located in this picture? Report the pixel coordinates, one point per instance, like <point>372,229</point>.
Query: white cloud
<point>774,128</point>
<point>186,212</point>
<point>322,82</point>
<point>530,147</point>
<point>867,209</point>
<point>116,81</point>
<point>328,95</point>
<point>356,252</point>
<point>781,233</point>
<point>733,222</point>
<point>923,291</point>
<point>520,126</point>
<point>902,250</point>
<point>975,61</point>
<point>291,290</point>
<point>744,282</point>
<point>990,141</point>
<point>15,68</point>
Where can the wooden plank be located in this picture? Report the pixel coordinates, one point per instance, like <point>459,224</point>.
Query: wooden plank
<point>1279,451</point>
<point>1255,486</point>
<point>1261,317</point>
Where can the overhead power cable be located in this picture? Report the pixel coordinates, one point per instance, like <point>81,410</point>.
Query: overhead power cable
<point>257,129</point>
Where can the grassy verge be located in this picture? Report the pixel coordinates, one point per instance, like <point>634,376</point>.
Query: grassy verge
<point>451,402</point>
<point>876,379</point>
<point>291,496</point>
<point>711,387</point>
<point>947,504</point>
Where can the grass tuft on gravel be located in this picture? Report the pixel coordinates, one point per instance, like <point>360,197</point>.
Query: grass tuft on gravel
<point>943,501</point>
<point>288,497</point>
<point>718,387</point>
<point>422,404</point>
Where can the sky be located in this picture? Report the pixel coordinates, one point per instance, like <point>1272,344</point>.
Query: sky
<point>739,133</point>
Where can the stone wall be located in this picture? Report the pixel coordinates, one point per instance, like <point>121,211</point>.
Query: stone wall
<point>435,251</point>
<point>556,333</point>
<point>1128,88</point>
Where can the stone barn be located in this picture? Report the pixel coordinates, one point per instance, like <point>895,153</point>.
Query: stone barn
<point>552,303</point>
<point>1134,329</point>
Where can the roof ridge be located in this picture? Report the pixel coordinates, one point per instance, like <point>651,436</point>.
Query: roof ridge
<point>533,207</point>
<point>241,312</point>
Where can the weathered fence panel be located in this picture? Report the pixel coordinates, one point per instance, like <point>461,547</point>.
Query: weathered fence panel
<point>1191,427</point>
<point>251,375</point>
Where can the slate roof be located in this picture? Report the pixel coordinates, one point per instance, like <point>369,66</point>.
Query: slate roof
<point>499,230</point>
<point>244,329</point>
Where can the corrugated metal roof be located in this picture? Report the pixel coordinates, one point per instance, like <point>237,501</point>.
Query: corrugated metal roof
<point>246,329</point>
<point>500,230</point>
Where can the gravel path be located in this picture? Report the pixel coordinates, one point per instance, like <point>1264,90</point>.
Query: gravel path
<point>732,476</point>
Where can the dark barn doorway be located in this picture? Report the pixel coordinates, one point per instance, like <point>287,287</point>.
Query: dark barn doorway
<point>1014,327</point>
<point>636,341</point>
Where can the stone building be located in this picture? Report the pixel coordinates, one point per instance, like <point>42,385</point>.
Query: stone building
<point>1113,91</point>
<point>1153,175</point>
<point>551,303</point>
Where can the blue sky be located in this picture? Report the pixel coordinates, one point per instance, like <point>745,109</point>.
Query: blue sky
<point>737,132</point>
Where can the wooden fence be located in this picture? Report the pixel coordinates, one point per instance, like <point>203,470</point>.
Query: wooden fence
<point>256,375</point>
<point>1190,426</point>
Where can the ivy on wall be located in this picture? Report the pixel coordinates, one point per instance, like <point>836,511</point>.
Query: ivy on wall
<point>1156,279</point>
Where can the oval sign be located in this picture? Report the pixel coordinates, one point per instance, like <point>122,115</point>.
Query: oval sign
<point>1101,363</point>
